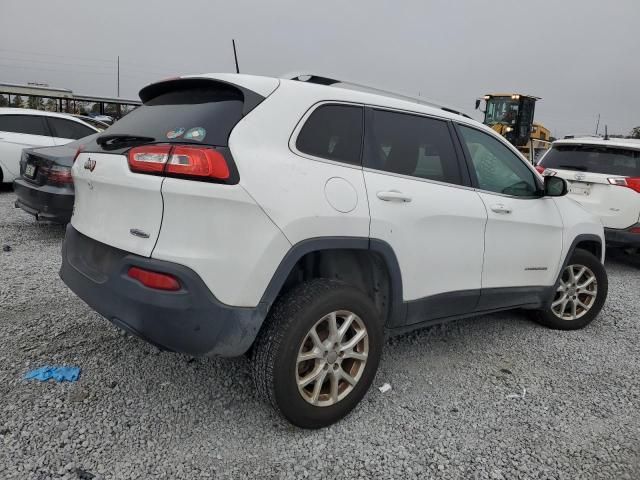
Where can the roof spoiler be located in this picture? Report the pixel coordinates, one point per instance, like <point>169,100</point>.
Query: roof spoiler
<point>151,91</point>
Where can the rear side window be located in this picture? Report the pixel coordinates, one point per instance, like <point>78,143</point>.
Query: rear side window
<point>333,132</point>
<point>68,128</point>
<point>594,159</point>
<point>29,124</point>
<point>412,145</point>
<point>202,115</point>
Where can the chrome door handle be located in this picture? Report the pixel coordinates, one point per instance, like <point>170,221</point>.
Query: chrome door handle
<point>500,208</point>
<point>393,196</point>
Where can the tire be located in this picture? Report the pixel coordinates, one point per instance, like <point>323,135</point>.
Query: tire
<point>565,288</point>
<point>287,334</point>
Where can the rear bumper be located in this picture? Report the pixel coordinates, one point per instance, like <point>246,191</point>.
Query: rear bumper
<point>190,320</point>
<point>621,238</point>
<point>54,204</point>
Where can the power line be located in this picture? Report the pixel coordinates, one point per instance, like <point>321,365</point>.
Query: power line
<point>91,59</point>
<point>28,60</point>
<point>23,67</point>
<point>157,69</point>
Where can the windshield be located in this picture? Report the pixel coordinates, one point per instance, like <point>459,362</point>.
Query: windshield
<point>501,110</point>
<point>594,159</point>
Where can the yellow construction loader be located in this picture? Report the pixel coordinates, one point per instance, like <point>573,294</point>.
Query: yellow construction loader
<point>511,115</point>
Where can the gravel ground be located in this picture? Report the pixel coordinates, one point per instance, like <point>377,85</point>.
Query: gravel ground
<point>457,409</point>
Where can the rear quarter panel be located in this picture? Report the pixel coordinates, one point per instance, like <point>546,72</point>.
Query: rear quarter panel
<point>223,235</point>
<point>289,187</point>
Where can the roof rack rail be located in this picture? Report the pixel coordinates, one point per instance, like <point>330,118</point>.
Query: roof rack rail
<point>322,80</point>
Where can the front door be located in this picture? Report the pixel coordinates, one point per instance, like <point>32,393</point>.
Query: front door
<point>523,238</point>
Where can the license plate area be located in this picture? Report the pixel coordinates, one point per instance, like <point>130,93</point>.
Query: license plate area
<point>579,188</point>
<point>30,171</point>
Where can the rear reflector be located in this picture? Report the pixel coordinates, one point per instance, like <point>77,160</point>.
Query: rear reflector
<point>156,280</point>
<point>635,230</point>
<point>179,161</point>
<point>630,182</point>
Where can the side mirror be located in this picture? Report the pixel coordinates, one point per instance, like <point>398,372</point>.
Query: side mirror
<point>555,186</point>
<point>477,103</point>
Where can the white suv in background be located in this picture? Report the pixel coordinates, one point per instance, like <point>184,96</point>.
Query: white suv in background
<point>299,220</point>
<point>604,177</point>
<point>23,128</point>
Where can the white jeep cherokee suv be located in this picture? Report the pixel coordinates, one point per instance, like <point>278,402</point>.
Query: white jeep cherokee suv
<point>298,221</point>
<point>604,177</point>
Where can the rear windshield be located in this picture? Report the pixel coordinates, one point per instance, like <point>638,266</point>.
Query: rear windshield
<point>594,159</point>
<point>202,115</point>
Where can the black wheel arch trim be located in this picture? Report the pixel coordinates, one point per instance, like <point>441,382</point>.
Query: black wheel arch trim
<point>397,309</point>
<point>583,237</point>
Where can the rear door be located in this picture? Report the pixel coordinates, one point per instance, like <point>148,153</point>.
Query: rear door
<point>591,172</point>
<point>124,209</point>
<point>420,206</point>
<point>16,133</point>
<point>523,240</point>
<point>65,130</point>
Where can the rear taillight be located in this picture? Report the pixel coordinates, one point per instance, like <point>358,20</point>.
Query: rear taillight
<point>149,158</point>
<point>635,230</point>
<point>630,182</point>
<point>155,280</point>
<point>57,175</point>
<point>540,169</point>
<point>179,161</point>
<point>197,162</point>
<point>78,152</point>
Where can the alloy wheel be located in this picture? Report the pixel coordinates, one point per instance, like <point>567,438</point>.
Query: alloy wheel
<point>576,293</point>
<point>332,358</point>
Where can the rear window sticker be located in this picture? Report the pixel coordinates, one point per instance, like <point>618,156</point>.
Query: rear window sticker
<point>197,133</point>
<point>175,133</point>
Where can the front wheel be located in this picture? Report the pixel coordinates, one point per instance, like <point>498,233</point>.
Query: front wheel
<point>318,353</point>
<point>580,294</point>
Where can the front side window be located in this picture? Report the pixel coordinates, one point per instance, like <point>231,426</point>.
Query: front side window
<point>28,124</point>
<point>333,132</point>
<point>412,145</point>
<point>63,128</point>
<point>497,168</point>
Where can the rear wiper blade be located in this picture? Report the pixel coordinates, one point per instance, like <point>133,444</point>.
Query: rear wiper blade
<point>572,167</point>
<point>115,138</point>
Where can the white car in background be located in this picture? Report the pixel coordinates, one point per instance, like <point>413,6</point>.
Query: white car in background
<point>604,177</point>
<point>23,128</point>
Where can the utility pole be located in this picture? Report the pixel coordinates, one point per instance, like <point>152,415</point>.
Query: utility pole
<point>597,124</point>
<point>118,76</point>
<point>235,55</point>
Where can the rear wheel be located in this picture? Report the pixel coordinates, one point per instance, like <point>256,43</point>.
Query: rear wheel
<point>580,294</point>
<point>318,353</point>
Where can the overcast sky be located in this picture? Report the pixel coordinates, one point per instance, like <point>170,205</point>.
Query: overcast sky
<point>581,56</point>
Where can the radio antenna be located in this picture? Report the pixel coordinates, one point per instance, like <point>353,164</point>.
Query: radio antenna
<point>235,55</point>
